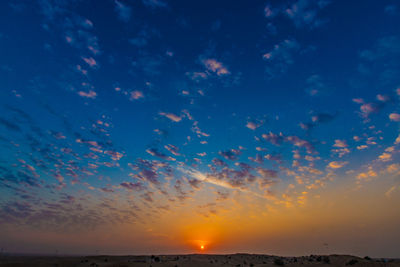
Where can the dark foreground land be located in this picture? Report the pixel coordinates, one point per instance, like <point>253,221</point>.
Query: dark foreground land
<point>195,260</point>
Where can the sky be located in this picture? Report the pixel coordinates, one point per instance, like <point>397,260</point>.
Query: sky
<point>160,126</point>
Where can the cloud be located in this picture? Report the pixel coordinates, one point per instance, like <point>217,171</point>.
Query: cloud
<point>171,116</point>
<point>296,141</point>
<point>317,119</point>
<point>155,3</point>
<point>91,94</point>
<point>391,9</point>
<point>281,57</point>
<point>148,64</point>
<point>148,169</point>
<point>173,149</point>
<point>219,162</point>
<point>340,143</point>
<point>315,85</point>
<point>90,61</point>
<point>303,13</point>
<point>274,157</point>
<point>138,41</point>
<point>254,124</point>
<point>397,141</point>
<point>148,196</point>
<point>211,179</point>
<point>274,138</point>
<point>156,153</point>
<point>366,109</point>
<point>394,116</point>
<point>133,186</point>
<point>188,115</point>
<point>123,11</point>
<point>337,164</point>
<point>231,154</point>
<point>258,159</point>
<point>385,157</point>
<point>194,183</point>
<point>341,147</point>
<point>215,66</point>
<point>322,118</point>
<point>196,129</point>
<point>269,12</point>
<point>391,191</point>
<point>367,174</point>
<point>51,9</point>
<point>385,46</point>
<point>266,173</point>
<point>10,125</point>
<point>135,95</point>
<point>115,155</point>
<point>392,168</point>
<point>197,76</point>
<point>380,62</point>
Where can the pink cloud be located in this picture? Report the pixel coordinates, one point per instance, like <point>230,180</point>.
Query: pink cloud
<point>340,143</point>
<point>254,125</point>
<point>173,149</point>
<point>368,108</point>
<point>268,12</point>
<point>91,94</point>
<point>90,61</point>
<point>136,95</point>
<point>88,23</point>
<point>80,69</point>
<point>93,49</point>
<point>337,164</point>
<point>358,100</point>
<point>196,76</point>
<point>267,55</point>
<point>188,115</point>
<point>394,116</point>
<point>133,186</point>
<point>383,98</point>
<point>215,66</point>
<point>171,116</point>
<point>68,39</point>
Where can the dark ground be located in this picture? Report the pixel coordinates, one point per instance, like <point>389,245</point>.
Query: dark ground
<point>194,260</point>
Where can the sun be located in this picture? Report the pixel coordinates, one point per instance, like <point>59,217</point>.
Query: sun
<point>202,247</point>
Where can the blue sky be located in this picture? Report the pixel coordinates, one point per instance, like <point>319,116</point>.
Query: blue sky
<point>125,111</point>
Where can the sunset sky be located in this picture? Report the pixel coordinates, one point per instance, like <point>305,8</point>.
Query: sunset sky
<point>160,126</point>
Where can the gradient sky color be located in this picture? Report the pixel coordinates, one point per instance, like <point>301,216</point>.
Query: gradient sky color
<point>160,126</point>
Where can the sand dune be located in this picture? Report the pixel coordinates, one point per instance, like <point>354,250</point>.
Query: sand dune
<point>194,260</point>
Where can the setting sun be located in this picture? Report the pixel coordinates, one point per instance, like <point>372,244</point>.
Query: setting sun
<point>202,247</point>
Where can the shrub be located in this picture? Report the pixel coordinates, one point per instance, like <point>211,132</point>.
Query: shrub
<point>326,259</point>
<point>352,262</point>
<point>367,258</point>
<point>279,262</point>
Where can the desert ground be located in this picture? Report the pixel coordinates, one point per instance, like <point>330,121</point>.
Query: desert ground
<point>193,260</point>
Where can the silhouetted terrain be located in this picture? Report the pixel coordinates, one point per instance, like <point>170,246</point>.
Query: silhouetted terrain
<point>194,260</point>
